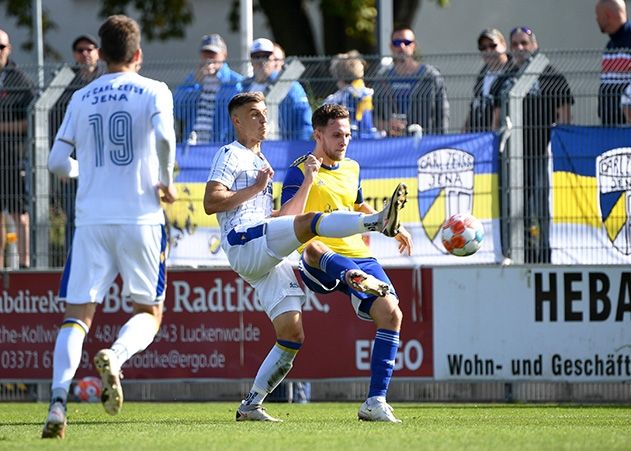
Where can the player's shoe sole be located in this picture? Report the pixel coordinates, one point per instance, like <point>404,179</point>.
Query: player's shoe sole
<point>258,414</point>
<point>112,394</point>
<point>365,283</point>
<point>391,221</point>
<point>55,426</point>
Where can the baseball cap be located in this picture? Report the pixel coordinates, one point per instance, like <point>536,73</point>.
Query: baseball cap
<point>262,45</point>
<point>214,43</point>
<point>85,37</point>
<point>493,34</point>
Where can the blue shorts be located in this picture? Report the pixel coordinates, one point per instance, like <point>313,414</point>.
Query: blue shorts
<point>320,282</point>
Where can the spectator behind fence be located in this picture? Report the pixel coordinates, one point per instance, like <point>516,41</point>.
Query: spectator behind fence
<point>278,57</point>
<point>547,103</point>
<point>294,110</point>
<point>348,70</point>
<point>484,111</point>
<point>16,93</point>
<point>625,104</point>
<point>411,92</point>
<point>611,16</point>
<point>85,52</point>
<point>201,101</point>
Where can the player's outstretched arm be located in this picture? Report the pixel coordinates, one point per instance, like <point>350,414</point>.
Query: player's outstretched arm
<point>406,246</point>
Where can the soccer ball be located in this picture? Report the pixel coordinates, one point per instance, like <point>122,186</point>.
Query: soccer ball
<point>462,234</point>
<point>88,389</point>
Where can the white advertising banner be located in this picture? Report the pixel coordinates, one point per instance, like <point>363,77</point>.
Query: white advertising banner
<point>560,323</point>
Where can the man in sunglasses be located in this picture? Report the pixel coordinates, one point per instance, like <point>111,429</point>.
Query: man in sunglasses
<point>411,92</point>
<point>484,112</point>
<point>611,16</point>
<point>16,93</point>
<point>548,103</point>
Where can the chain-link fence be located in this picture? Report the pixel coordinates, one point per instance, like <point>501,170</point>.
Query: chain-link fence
<point>443,94</point>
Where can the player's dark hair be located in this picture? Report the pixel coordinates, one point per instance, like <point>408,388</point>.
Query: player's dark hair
<point>244,98</point>
<point>120,38</point>
<point>326,112</point>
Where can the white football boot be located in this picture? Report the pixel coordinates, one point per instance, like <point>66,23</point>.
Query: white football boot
<point>256,414</point>
<point>377,410</point>
<point>365,283</point>
<point>55,426</point>
<point>106,364</point>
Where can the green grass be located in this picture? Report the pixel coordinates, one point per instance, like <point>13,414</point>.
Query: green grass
<point>323,426</point>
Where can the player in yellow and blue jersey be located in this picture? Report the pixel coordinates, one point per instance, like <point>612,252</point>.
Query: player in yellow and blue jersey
<point>346,264</point>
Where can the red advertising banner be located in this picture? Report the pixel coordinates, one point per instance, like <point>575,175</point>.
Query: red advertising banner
<point>212,328</point>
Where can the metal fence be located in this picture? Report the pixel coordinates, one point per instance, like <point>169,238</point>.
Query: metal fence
<point>36,224</point>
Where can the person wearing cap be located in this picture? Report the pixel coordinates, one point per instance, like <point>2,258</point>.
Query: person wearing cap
<point>201,101</point>
<point>484,111</point>
<point>85,52</point>
<point>612,19</point>
<point>16,92</point>
<point>348,69</point>
<point>411,92</point>
<point>294,109</point>
<point>548,103</point>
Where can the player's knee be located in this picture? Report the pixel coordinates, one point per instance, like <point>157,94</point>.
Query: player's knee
<point>312,254</point>
<point>153,310</point>
<point>296,335</point>
<point>387,315</point>
<point>302,226</point>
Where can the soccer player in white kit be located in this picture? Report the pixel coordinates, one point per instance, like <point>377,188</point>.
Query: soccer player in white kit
<point>256,238</point>
<point>121,128</point>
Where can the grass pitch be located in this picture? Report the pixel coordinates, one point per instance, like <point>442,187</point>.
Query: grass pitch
<point>323,426</point>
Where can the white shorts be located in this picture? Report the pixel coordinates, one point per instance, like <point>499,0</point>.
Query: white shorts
<point>257,252</point>
<point>100,252</point>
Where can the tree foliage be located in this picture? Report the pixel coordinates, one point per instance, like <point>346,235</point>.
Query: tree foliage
<point>347,24</point>
<point>159,19</point>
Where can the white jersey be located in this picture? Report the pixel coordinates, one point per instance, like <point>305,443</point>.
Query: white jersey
<point>109,122</point>
<point>236,167</point>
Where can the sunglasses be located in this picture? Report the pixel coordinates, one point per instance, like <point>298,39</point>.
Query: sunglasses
<point>526,30</point>
<point>491,46</point>
<point>3,46</point>
<point>401,42</point>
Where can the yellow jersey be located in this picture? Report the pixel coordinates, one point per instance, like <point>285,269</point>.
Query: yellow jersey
<point>335,188</point>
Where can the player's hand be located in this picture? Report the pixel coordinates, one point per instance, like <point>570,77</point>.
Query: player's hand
<point>168,194</point>
<point>312,166</point>
<point>405,241</point>
<point>264,177</point>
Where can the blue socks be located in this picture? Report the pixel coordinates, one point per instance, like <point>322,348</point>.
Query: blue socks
<point>335,265</point>
<point>384,352</point>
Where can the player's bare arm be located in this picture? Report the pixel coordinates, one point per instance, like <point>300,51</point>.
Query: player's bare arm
<point>218,197</point>
<point>406,247</point>
<point>296,205</point>
<point>168,193</point>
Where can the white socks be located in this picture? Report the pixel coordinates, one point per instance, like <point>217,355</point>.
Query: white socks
<point>135,335</point>
<point>67,355</point>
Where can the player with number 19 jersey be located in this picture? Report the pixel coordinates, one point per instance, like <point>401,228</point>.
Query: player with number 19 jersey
<point>108,122</point>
